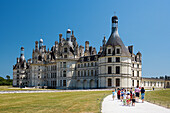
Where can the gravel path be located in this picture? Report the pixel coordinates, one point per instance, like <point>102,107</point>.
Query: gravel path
<point>116,106</point>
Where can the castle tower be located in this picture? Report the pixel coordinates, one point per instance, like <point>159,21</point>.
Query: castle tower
<point>22,54</point>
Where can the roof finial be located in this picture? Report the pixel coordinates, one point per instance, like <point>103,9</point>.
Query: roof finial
<point>114,13</point>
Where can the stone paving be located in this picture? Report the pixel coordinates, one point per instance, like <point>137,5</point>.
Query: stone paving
<point>116,106</point>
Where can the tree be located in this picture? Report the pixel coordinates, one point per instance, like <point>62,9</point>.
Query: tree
<point>8,77</point>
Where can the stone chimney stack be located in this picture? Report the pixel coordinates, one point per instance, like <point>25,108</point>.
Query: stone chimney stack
<point>36,45</point>
<point>60,38</point>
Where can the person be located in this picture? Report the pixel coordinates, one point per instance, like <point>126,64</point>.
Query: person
<point>131,90</point>
<point>113,92</point>
<point>153,88</point>
<point>137,93</point>
<point>128,99</point>
<point>131,95</point>
<point>118,94</point>
<point>124,99</point>
<point>133,99</point>
<point>122,93</point>
<point>142,94</point>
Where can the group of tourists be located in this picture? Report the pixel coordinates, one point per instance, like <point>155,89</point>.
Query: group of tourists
<point>128,96</point>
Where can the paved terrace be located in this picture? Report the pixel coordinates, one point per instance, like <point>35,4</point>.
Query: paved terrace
<point>116,106</point>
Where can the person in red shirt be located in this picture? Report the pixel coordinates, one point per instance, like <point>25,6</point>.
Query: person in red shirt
<point>118,94</point>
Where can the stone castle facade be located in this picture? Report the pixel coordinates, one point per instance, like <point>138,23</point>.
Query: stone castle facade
<point>70,66</point>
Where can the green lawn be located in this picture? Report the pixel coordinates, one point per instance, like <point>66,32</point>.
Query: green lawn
<point>160,97</point>
<point>10,88</point>
<point>59,102</point>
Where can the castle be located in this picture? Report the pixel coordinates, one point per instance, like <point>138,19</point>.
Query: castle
<point>70,66</point>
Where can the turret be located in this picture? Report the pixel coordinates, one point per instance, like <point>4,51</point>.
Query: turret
<point>114,24</point>
<point>22,54</point>
<point>68,35</point>
<point>40,43</point>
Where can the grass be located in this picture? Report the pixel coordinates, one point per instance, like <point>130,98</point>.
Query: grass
<point>160,97</point>
<point>10,88</point>
<point>59,102</point>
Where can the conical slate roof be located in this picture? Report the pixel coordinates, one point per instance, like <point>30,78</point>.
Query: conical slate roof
<point>115,40</point>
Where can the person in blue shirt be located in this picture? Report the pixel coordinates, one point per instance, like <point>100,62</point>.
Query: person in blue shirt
<point>113,92</point>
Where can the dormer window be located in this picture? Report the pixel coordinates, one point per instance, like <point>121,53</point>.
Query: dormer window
<point>109,51</point>
<point>65,50</point>
<point>65,56</point>
<point>118,51</point>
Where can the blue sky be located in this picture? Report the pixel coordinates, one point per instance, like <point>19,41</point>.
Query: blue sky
<point>144,24</point>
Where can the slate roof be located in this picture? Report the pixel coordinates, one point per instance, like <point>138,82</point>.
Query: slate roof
<point>115,40</point>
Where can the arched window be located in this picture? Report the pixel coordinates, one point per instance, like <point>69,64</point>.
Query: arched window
<point>109,82</point>
<point>109,70</point>
<point>117,69</point>
<point>117,82</point>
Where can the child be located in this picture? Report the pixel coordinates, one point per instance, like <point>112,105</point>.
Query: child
<point>122,95</point>
<point>113,92</point>
<point>128,99</point>
<point>124,99</point>
<point>133,99</point>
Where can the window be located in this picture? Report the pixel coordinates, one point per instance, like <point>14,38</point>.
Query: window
<point>60,82</point>
<point>109,51</point>
<point>64,73</point>
<point>118,51</point>
<point>91,72</point>
<point>81,73</point>
<point>117,70</point>
<point>117,59</point>
<point>109,59</point>
<point>137,82</point>
<point>144,83</point>
<point>78,65</point>
<point>60,64</point>
<point>117,82</point>
<point>109,70</point>
<point>64,83</point>
<point>137,65</point>
<point>132,82</point>
<point>64,64</point>
<point>92,64</point>
<point>65,50</point>
<point>88,73</point>
<point>109,82</point>
<point>60,73</point>
<point>78,73</point>
<point>137,73</point>
<point>85,73</point>
<point>65,56</point>
<point>133,73</point>
<point>84,64</point>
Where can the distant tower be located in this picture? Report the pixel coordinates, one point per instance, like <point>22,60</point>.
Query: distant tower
<point>22,54</point>
<point>40,43</point>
